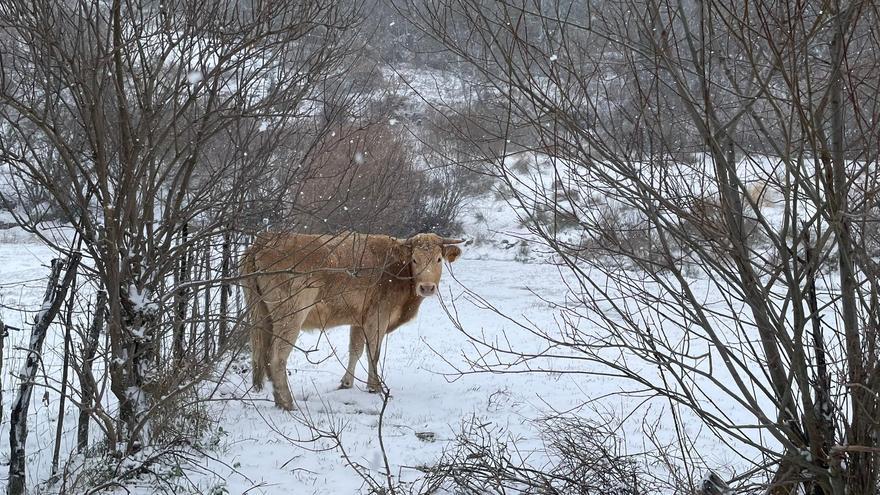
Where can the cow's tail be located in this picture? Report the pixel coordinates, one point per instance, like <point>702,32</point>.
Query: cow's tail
<point>260,324</point>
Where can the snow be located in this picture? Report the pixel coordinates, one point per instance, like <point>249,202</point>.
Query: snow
<point>427,365</point>
<point>194,76</point>
<point>266,450</point>
<point>141,302</point>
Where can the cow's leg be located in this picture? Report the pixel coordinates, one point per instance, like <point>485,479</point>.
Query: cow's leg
<point>281,347</point>
<point>260,331</point>
<point>355,351</point>
<point>264,348</point>
<point>287,331</point>
<point>374,334</point>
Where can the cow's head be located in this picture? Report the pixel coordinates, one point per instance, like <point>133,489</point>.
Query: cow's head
<point>425,254</point>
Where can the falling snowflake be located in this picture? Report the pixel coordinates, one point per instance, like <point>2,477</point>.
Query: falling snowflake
<point>194,76</point>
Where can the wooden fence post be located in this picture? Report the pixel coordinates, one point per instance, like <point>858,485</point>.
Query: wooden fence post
<point>3,334</point>
<point>225,289</point>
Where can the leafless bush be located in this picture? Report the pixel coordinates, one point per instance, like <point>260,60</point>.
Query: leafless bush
<point>445,191</point>
<point>474,129</point>
<point>362,179</point>
<point>615,95</point>
<point>579,457</point>
<point>160,134</point>
<point>163,470</point>
<point>367,179</point>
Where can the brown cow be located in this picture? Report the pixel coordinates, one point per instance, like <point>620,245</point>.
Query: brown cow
<point>374,283</point>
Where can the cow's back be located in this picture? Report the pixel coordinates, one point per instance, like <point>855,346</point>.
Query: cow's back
<point>345,275</point>
<point>306,253</point>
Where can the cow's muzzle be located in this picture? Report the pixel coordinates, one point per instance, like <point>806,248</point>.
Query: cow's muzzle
<point>426,290</point>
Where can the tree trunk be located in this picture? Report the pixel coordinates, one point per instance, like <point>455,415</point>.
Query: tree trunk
<point>131,315</point>
<point>181,277</point>
<point>861,466</point>
<point>207,339</point>
<point>59,427</point>
<point>52,301</point>
<point>139,351</point>
<point>87,380</point>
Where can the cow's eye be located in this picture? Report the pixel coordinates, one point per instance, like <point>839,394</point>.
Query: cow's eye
<point>439,259</point>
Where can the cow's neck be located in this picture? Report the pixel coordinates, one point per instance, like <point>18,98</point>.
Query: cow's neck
<point>407,311</point>
<point>413,301</point>
<point>405,283</point>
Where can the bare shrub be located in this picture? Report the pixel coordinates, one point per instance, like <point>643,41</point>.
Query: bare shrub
<point>579,457</point>
<point>156,135</point>
<point>367,179</point>
<point>365,73</point>
<point>614,229</point>
<point>776,351</point>
<point>441,202</point>
<point>361,179</point>
<point>707,227</point>
<point>522,165</point>
<point>477,128</point>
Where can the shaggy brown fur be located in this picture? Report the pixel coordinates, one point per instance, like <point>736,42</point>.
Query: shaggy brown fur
<point>373,283</point>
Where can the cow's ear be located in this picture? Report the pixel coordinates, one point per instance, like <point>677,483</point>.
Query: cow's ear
<point>451,253</point>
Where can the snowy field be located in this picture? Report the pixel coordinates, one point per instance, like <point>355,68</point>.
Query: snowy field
<point>261,449</point>
<point>265,450</point>
<point>258,448</point>
<point>425,398</point>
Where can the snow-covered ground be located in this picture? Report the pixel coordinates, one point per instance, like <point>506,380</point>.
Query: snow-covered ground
<point>265,450</point>
<point>260,449</point>
<point>427,396</point>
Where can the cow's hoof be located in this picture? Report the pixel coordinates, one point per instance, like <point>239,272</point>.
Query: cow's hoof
<point>377,389</point>
<point>285,403</point>
<point>345,384</point>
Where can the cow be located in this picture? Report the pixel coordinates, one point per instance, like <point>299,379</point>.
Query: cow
<point>373,283</point>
